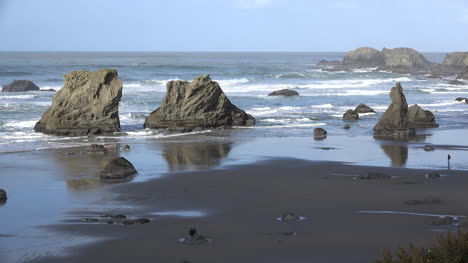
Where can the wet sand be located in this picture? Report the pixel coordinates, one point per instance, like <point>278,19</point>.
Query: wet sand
<point>238,205</point>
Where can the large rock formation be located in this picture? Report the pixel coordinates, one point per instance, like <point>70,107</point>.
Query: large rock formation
<point>394,122</point>
<point>20,86</point>
<point>200,104</point>
<point>284,92</point>
<point>420,118</point>
<point>404,60</point>
<point>464,74</point>
<point>453,64</point>
<point>363,57</point>
<point>86,105</point>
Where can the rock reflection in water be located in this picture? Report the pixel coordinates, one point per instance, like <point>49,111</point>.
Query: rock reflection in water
<point>187,156</point>
<point>398,154</point>
<point>80,169</point>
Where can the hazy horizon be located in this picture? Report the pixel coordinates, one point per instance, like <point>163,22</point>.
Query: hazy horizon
<point>232,25</point>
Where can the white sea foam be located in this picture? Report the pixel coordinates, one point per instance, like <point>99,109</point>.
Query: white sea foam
<point>364,70</point>
<point>20,124</point>
<point>231,82</point>
<point>323,106</point>
<point>18,97</point>
<point>441,103</point>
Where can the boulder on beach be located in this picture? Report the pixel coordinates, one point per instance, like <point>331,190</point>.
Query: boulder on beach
<point>86,105</point>
<point>456,82</point>
<point>3,196</point>
<point>394,122</point>
<point>200,104</point>
<point>363,108</point>
<point>460,99</point>
<point>289,216</point>
<point>404,60</point>
<point>118,169</point>
<point>284,92</point>
<point>20,86</point>
<point>363,57</point>
<point>350,115</point>
<point>320,133</point>
<point>420,118</point>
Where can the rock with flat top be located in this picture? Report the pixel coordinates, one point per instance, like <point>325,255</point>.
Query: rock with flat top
<point>200,104</point>
<point>363,57</point>
<point>420,118</point>
<point>404,60</point>
<point>394,122</point>
<point>86,105</point>
<point>20,86</point>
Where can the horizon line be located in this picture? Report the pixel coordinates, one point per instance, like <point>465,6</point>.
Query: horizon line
<point>169,51</point>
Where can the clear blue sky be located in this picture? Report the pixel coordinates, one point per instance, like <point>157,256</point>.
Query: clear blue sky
<point>232,25</point>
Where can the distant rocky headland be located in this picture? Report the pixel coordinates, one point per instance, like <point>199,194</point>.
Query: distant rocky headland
<point>403,61</point>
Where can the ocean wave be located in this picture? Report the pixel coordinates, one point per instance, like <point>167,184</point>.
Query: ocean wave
<point>323,106</point>
<point>364,70</point>
<point>20,124</point>
<point>154,134</point>
<point>18,97</point>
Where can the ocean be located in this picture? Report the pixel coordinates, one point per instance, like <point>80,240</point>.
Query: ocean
<point>246,78</point>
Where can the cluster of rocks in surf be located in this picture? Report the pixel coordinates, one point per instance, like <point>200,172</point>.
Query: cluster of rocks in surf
<point>404,61</point>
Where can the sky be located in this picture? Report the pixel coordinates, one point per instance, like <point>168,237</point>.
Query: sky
<point>232,25</point>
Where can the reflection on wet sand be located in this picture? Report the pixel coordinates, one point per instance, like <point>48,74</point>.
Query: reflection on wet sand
<point>81,169</point>
<point>187,156</point>
<point>398,154</point>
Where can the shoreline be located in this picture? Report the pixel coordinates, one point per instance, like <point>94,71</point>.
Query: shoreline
<point>241,203</point>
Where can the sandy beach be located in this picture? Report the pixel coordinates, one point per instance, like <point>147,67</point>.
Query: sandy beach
<point>234,199</point>
<point>237,209</point>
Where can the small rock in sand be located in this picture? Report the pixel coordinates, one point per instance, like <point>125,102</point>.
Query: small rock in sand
<point>320,134</point>
<point>194,238</point>
<point>445,220</point>
<point>118,169</point>
<point>373,175</point>
<point>126,148</point>
<point>142,221</point>
<point>433,175</point>
<point>289,217</point>
<point>346,127</point>
<point>128,222</point>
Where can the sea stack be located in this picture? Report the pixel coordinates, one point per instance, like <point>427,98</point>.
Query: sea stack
<point>394,122</point>
<point>20,86</point>
<point>404,60</point>
<point>363,57</point>
<point>200,104</point>
<point>86,105</point>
